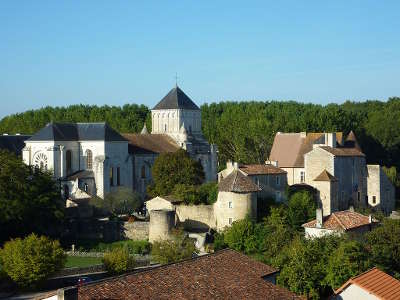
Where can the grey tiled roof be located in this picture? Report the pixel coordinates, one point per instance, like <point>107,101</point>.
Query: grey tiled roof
<point>238,183</point>
<point>176,99</point>
<point>77,132</point>
<point>13,143</point>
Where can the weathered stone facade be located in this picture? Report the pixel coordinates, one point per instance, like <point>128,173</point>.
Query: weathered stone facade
<point>381,192</point>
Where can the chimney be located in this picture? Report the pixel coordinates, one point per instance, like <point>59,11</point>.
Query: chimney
<point>370,219</point>
<point>330,139</point>
<point>351,208</point>
<point>235,166</point>
<point>319,218</point>
<point>17,134</point>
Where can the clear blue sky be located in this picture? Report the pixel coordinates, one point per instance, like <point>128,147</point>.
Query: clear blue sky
<point>116,52</point>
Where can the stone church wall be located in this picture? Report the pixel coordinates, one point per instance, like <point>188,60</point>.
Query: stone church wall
<point>136,230</point>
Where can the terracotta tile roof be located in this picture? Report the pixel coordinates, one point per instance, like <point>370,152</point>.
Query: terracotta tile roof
<point>238,183</point>
<point>325,176</point>
<point>377,283</point>
<point>150,143</point>
<point>261,169</point>
<point>342,220</point>
<point>289,148</point>
<point>225,274</point>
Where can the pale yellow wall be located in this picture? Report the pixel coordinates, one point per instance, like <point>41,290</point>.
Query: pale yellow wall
<point>293,175</point>
<point>326,196</point>
<point>242,204</point>
<point>195,216</point>
<point>317,161</point>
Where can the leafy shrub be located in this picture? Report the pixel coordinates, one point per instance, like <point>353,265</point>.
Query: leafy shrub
<point>29,261</point>
<point>118,261</point>
<point>168,251</point>
<point>133,247</point>
<point>206,193</point>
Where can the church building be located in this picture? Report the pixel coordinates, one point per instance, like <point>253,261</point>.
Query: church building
<point>92,159</point>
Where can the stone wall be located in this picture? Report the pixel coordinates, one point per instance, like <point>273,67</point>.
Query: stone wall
<point>195,217</point>
<point>136,230</point>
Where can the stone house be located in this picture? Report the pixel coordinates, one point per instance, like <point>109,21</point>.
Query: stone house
<point>338,223</point>
<point>335,167</point>
<point>370,285</point>
<point>271,180</point>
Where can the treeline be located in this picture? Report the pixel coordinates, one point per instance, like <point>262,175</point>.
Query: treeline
<point>244,131</point>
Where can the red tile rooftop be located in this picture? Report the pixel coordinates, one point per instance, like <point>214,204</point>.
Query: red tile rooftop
<point>226,274</point>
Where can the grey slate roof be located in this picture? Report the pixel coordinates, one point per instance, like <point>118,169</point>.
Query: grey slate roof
<point>77,132</point>
<point>13,143</point>
<point>176,99</point>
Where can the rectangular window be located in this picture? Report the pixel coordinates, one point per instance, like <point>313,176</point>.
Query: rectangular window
<point>359,196</point>
<point>230,204</point>
<point>230,221</point>
<point>366,199</point>
<point>118,176</point>
<point>111,176</point>
<point>302,176</point>
<point>278,180</point>
<point>373,199</point>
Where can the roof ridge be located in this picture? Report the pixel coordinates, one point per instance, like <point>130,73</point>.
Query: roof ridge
<point>338,220</point>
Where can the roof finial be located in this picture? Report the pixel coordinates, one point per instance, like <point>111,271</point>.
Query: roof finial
<point>176,79</point>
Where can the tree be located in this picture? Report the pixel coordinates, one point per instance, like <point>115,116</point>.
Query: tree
<point>118,261</point>
<point>348,260</point>
<point>240,236</point>
<point>383,244</point>
<point>301,209</point>
<point>170,169</point>
<point>29,261</point>
<point>27,194</point>
<point>178,248</point>
<point>121,201</point>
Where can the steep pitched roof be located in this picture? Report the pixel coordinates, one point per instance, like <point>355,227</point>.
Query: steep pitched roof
<point>77,132</point>
<point>261,169</point>
<point>176,99</point>
<point>150,143</point>
<point>343,151</point>
<point>351,141</point>
<point>238,183</point>
<point>342,220</point>
<point>225,274</point>
<point>13,143</point>
<point>377,283</point>
<point>289,148</point>
<point>325,176</point>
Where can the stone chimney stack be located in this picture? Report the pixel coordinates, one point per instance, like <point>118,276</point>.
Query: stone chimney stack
<point>319,217</point>
<point>330,139</point>
<point>370,219</point>
<point>235,166</point>
<point>351,208</point>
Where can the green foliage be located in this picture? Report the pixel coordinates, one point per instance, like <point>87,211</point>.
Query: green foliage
<point>240,236</point>
<point>219,241</point>
<point>27,194</point>
<point>176,249</point>
<point>391,173</point>
<point>121,201</point>
<point>347,261</point>
<point>28,262</point>
<point>132,246</point>
<point>128,118</point>
<point>196,194</point>
<point>301,209</point>
<point>170,169</point>
<point>118,261</point>
<point>82,261</point>
<point>383,244</point>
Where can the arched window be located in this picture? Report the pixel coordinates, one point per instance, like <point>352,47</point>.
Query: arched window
<point>143,171</point>
<point>69,161</point>
<point>89,159</point>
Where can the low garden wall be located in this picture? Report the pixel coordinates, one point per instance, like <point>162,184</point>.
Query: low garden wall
<point>195,217</point>
<point>138,230</point>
